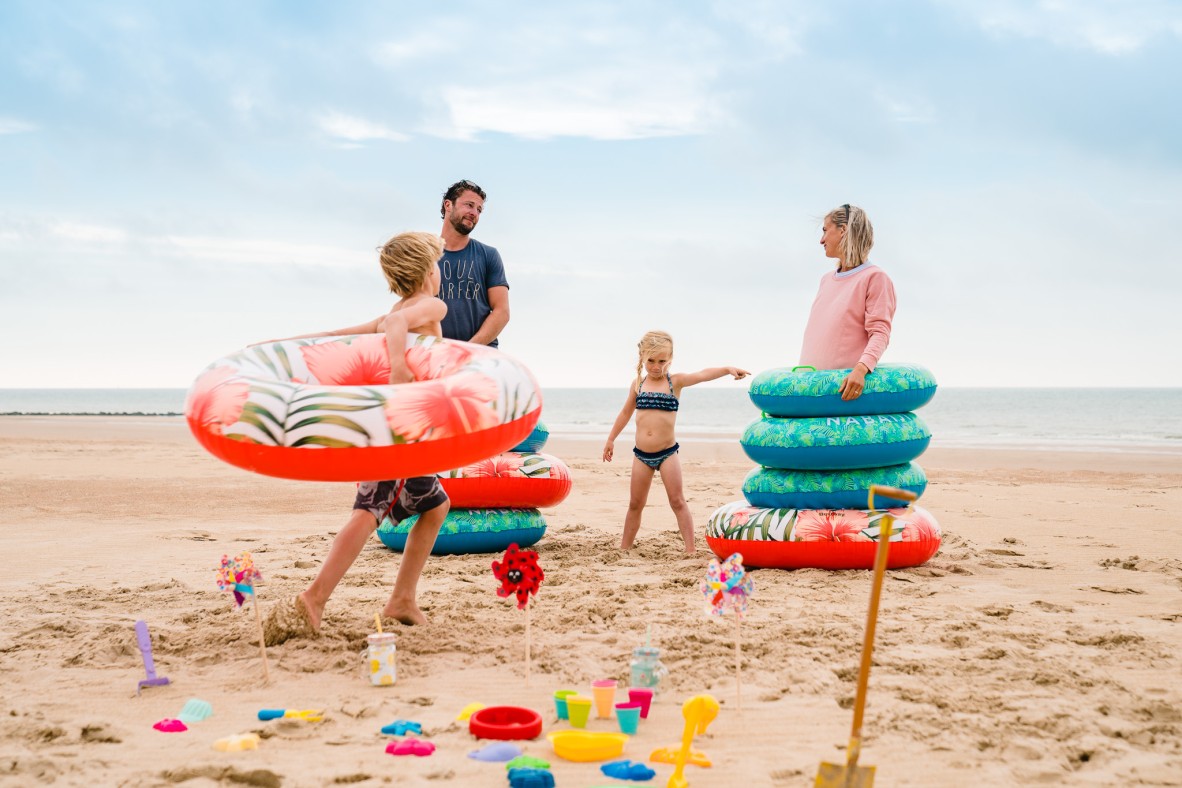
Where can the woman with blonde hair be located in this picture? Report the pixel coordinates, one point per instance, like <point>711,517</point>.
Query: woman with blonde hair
<point>849,325</point>
<point>655,397</point>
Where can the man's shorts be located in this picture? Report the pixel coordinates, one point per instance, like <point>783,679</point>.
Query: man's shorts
<point>400,498</point>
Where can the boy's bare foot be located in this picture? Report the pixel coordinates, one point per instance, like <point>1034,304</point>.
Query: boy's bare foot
<point>289,619</point>
<point>404,613</point>
<point>308,610</point>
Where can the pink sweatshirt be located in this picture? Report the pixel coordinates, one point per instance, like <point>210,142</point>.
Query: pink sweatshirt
<point>850,320</point>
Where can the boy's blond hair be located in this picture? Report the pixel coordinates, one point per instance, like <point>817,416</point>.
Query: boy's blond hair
<point>407,259</point>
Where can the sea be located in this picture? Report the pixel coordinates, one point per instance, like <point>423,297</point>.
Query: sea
<point>1083,419</point>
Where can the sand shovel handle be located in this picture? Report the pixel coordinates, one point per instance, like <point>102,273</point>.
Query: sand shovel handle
<point>890,492</point>
<point>880,562</point>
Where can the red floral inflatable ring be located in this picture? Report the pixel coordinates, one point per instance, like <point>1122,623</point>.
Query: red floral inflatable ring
<point>510,480</point>
<point>320,409</point>
<point>821,538</point>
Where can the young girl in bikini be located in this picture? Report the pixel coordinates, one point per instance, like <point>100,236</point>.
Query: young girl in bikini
<point>654,397</point>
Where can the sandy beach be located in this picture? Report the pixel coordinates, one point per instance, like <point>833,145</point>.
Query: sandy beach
<point>1041,645</point>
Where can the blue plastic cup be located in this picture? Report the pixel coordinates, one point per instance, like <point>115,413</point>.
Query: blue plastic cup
<point>628,716</point>
<point>560,703</point>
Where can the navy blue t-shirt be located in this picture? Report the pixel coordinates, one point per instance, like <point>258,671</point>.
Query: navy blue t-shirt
<point>465,277</point>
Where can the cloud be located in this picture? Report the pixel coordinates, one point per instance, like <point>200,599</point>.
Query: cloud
<point>1105,27</point>
<point>601,106</point>
<point>905,110</point>
<point>15,126</point>
<point>595,73</point>
<point>88,233</point>
<point>353,129</point>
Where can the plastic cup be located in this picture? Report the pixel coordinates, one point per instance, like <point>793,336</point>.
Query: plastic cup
<point>642,696</point>
<point>628,716</point>
<point>604,691</point>
<point>560,703</point>
<point>579,709</point>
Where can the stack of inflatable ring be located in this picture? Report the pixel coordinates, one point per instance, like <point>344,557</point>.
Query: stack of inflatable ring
<point>807,503</point>
<point>495,501</point>
<point>321,409</point>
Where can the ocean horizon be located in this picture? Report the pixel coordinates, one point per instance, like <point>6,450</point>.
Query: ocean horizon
<point>1092,419</point>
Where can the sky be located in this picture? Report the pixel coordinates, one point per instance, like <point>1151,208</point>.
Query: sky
<point>178,180</point>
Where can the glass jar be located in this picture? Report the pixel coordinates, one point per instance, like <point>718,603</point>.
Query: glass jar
<point>647,670</point>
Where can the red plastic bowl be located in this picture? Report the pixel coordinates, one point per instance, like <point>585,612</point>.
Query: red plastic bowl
<point>505,722</point>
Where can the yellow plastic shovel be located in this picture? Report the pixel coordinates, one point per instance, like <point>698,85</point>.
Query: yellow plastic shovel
<point>850,774</point>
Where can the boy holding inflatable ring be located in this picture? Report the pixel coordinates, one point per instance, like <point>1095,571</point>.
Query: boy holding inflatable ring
<point>410,265</point>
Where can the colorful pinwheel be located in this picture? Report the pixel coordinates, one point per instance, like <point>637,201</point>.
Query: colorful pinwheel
<point>238,575</point>
<point>519,574</point>
<point>727,586</point>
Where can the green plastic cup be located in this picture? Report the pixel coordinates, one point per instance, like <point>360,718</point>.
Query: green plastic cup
<point>579,709</point>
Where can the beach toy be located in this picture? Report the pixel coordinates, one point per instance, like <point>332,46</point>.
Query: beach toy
<point>850,774</point>
<point>628,717</point>
<point>505,722</point>
<point>585,746</point>
<point>646,667</point>
<point>578,707</point>
<point>195,710</point>
<point>380,652</point>
<point>243,741</point>
<point>402,727</point>
<point>306,715</point>
<point>604,692</point>
<point>527,762</point>
<point>642,696</point>
<point>627,770</point>
<point>468,711</point>
<point>671,754</point>
<point>171,726</point>
<point>145,643</point>
<point>416,747</point>
<point>699,711</point>
<point>530,778</point>
<point>467,531</point>
<point>835,443</point>
<point>560,703</point>
<point>820,538</point>
<point>512,480</point>
<point>496,752</point>
<point>727,587</point>
<point>520,575</point>
<point>240,575</point>
<point>322,408</point>
<point>806,391</point>
<point>777,488</point>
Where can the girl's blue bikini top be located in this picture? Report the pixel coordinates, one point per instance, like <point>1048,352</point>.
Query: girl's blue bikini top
<point>656,400</point>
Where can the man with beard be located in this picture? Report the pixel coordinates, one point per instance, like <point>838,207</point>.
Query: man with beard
<point>473,277</point>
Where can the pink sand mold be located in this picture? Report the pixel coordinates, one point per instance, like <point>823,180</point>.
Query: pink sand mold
<point>171,726</point>
<point>496,752</point>
<point>410,747</point>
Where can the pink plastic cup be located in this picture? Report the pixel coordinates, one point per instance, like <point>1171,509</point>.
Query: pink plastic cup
<point>643,696</point>
<point>604,691</point>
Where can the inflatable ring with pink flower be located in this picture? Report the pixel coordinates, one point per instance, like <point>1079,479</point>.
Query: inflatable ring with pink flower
<point>321,409</point>
<point>820,538</point>
<point>516,480</point>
